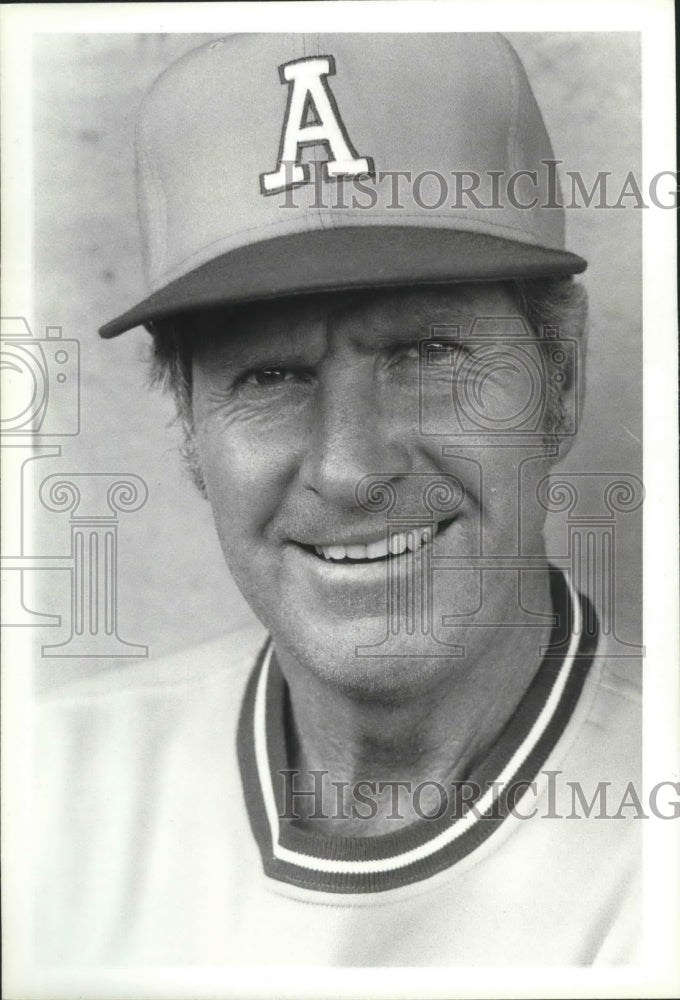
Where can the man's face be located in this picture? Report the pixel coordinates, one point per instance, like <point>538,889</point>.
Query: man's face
<point>309,415</point>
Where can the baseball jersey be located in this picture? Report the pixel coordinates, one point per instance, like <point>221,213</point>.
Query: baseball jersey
<point>165,836</point>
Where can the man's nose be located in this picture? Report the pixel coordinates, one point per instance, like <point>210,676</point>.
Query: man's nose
<point>352,434</point>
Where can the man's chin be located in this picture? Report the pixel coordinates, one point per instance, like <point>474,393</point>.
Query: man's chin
<point>363,658</point>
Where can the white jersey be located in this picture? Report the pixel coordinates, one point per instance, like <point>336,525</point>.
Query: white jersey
<point>166,840</point>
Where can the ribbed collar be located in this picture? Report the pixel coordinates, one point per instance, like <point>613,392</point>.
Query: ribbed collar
<point>342,864</point>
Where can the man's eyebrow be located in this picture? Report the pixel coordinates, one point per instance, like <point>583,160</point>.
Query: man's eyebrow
<point>421,326</point>
<point>254,355</point>
<point>232,350</point>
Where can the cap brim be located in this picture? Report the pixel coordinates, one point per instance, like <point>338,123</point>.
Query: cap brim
<point>336,259</point>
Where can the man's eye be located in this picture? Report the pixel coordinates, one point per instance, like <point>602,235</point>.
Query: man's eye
<point>273,376</point>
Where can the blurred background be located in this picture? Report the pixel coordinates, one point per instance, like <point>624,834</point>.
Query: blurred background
<point>173,586</point>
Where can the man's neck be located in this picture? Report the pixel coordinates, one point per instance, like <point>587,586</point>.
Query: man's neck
<point>438,735</point>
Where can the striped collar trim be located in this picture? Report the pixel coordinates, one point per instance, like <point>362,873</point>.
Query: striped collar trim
<point>376,863</point>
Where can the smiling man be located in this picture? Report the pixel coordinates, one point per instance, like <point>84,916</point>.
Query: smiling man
<point>361,299</point>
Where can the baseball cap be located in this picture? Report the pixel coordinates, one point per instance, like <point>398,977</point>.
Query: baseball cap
<point>272,165</point>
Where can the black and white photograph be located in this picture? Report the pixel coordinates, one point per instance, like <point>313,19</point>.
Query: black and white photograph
<point>340,549</point>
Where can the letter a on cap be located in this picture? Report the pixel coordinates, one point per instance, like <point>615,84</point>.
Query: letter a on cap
<point>309,92</point>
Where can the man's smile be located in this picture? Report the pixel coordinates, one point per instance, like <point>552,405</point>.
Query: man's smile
<point>395,544</point>
<point>376,547</point>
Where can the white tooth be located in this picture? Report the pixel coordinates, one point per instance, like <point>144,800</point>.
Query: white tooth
<point>397,543</point>
<point>356,551</point>
<point>377,550</point>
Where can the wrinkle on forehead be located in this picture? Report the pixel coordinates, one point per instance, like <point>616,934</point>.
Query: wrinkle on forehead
<point>413,311</point>
<point>366,318</point>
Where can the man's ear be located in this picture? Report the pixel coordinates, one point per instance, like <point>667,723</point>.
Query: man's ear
<point>568,383</point>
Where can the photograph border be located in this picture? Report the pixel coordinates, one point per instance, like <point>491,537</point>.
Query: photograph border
<point>659,975</point>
